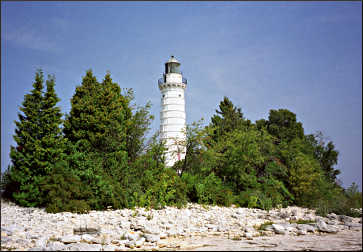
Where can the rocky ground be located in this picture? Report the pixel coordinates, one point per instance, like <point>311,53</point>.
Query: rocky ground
<point>194,227</point>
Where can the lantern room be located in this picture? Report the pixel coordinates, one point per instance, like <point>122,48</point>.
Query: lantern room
<point>172,66</point>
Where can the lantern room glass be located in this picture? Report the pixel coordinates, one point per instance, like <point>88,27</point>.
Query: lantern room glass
<point>172,67</point>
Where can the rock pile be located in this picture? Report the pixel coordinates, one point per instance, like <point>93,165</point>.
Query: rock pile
<point>141,229</point>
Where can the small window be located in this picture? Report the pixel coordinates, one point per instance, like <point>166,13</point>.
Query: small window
<point>163,95</point>
<point>179,95</point>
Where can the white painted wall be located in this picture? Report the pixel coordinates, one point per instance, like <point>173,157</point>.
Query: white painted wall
<point>172,117</point>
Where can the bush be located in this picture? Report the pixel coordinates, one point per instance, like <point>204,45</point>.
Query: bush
<point>159,188</point>
<point>211,190</point>
<point>65,191</point>
<point>341,202</point>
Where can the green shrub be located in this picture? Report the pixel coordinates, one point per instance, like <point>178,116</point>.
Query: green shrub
<point>264,225</point>
<point>210,190</point>
<point>65,191</point>
<point>264,202</point>
<point>190,183</point>
<point>301,221</point>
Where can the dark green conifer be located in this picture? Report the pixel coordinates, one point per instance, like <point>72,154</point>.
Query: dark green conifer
<point>99,115</point>
<point>227,119</point>
<point>39,143</point>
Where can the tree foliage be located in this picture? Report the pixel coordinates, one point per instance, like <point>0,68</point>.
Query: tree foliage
<point>102,158</point>
<point>39,143</point>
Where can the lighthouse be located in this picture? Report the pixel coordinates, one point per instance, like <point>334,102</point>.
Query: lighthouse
<point>172,114</point>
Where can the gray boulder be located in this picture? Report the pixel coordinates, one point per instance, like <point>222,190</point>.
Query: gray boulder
<point>55,246</point>
<point>152,238</point>
<point>302,232</point>
<point>8,231</point>
<point>269,228</point>
<point>151,229</point>
<point>332,216</point>
<point>86,230</point>
<point>110,248</point>
<point>37,249</point>
<point>306,227</point>
<point>88,238</point>
<point>279,229</point>
<point>42,242</point>
<point>132,236</point>
<point>84,247</point>
<point>323,227</point>
<point>353,226</point>
<point>248,235</point>
<point>344,218</point>
<point>70,239</point>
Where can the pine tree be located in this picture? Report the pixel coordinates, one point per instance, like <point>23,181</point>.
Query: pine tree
<point>283,125</point>
<point>97,131</point>
<point>227,119</point>
<point>52,140</point>
<point>38,139</point>
<point>98,121</point>
<point>99,115</point>
<point>79,123</point>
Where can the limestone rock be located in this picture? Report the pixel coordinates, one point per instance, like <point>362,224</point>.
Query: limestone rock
<point>248,235</point>
<point>279,229</point>
<point>152,238</point>
<point>110,248</point>
<point>22,229</point>
<point>37,249</point>
<point>306,227</point>
<point>42,242</point>
<point>130,244</point>
<point>163,235</point>
<point>354,226</point>
<point>269,228</point>
<point>88,238</point>
<point>84,247</point>
<point>344,218</point>
<point>92,229</point>
<point>332,216</point>
<point>302,232</point>
<point>132,236</point>
<point>23,243</point>
<point>151,229</point>
<point>323,227</point>
<point>55,245</point>
<point>140,242</point>
<point>70,239</point>
<point>6,231</point>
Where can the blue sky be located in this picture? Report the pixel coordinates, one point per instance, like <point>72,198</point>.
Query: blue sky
<point>302,56</point>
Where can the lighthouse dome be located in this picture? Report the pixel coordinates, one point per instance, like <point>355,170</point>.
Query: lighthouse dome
<point>173,60</point>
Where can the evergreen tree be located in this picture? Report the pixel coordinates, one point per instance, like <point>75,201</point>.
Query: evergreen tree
<point>52,140</point>
<point>226,120</point>
<point>80,123</point>
<point>97,132</point>
<point>283,125</point>
<point>99,116</point>
<point>39,144</point>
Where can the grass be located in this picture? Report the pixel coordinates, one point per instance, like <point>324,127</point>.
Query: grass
<point>123,237</point>
<point>236,238</point>
<point>301,221</point>
<point>135,213</point>
<point>263,226</point>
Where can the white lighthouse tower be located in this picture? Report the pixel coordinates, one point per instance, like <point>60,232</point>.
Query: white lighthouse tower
<point>172,115</point>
